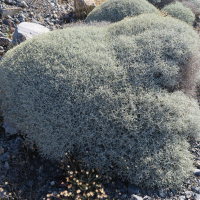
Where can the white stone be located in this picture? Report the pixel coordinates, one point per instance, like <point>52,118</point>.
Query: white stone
<point>197,172</point>
<point>27,30</point>
<point>135,197</point>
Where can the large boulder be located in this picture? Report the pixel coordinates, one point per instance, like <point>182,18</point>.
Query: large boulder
<point>116,10</point>
<point>110,96</point>
<point>83,7</point>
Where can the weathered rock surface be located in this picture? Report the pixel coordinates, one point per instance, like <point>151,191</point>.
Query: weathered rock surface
<point>27,30</point>
<point>83,7</point>
<point>9,11</point>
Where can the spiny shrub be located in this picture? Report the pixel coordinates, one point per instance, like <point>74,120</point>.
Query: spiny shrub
<point>178,11</point>
<point>194,5</point>
<point>116,10</point>
<point>82,91</point>
<point>164,58</point>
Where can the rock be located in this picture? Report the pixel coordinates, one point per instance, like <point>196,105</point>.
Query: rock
<point>27,30</point>
<point>9,11</point>
<point>162,193</point>
<point>155,195</point>
<point>188,194</point>
<point>83,8</point>
<point>196,196</point>
<point>23,4</point>
<point>2,35</point>
<point>8,125</point>
<point>197,172</point>
<point>30,183</point>
<point>6,165</point>
<point>181,198</point>
<point>197,163</point>
<point>98,2</point>
<point>53,183</point>
<point>146,198</point>
<point>196,190</point>
<point>9,23</point>
<point>132,189</point>
<point>135,197</point>
<point>5,157</point>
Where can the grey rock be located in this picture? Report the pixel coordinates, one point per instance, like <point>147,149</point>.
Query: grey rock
<point>197,172</point>
<point>124,196</point>
<point>196,190</point>
<point>35,21</point>
<point>8,125</point>
<point>149,192</point>
<point>6,165</point>
<point>2,35</point>
<point>16,20</point>
<point>9,11</point>
<point>155,195</point>
<point>8,22</point>
<point>30,183</point>
<point>21,15</point>
<point>162,193</point>
<point>27,30</point>
<point>196,196</point>
<point>5,157</point>
<point>8,17</point>
<point>23,4</point>
<point>52,182</point>
<point>181,198</point>
<point>133,189</point>
<point>21,19</point>
<point>170,194</point>
<point>188,194</point>
<point>135,197</point>
<point>146,198</point>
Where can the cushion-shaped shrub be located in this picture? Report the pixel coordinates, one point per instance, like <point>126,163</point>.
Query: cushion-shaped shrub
<point>116,10</point>
<point>179,11</point>
<point>160,58</point>
<point>75,91</point>
<point>194,5</point>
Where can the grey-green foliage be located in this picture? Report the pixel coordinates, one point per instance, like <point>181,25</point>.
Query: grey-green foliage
<point>194,5</point>
<point>81,90</point>
<point>116,10</point>
<point>158,57</point>
<point>178,11</point>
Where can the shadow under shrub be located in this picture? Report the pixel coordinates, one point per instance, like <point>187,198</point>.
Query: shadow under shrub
<point>161,3</point>
<point>116,10</point>
<point>82,91</point>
